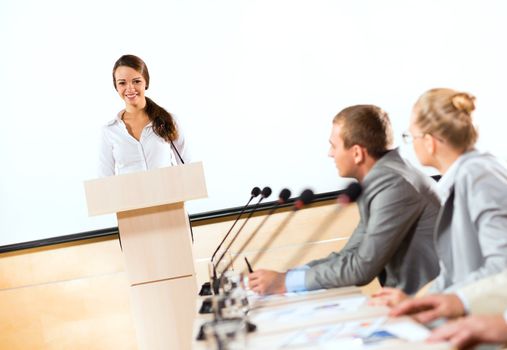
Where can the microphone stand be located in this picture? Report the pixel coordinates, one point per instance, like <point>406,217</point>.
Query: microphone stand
<point>206,287</point>
<point>266,192</point>
<point>207,306</point>
<point>305,198</point>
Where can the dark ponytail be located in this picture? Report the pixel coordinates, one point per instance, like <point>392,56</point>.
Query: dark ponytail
<point>163,122</point>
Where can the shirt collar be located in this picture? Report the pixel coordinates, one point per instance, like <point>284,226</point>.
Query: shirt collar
<point>446,182</point>
<point>118,119</point>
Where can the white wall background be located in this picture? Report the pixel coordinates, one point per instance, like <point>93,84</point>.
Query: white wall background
<point>255,84</point>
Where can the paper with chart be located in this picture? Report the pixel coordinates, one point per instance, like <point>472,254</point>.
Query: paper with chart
<point>315,310</point>
<point>358,334</point>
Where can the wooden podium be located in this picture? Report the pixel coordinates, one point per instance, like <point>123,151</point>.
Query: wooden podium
<point>156,242</point>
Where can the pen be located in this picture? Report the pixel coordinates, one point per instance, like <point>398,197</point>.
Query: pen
<point>249,266</point>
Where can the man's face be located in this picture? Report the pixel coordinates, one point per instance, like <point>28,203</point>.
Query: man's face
<point>343,158</point>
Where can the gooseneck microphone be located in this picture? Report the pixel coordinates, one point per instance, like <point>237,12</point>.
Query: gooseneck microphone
<point>282,199</point>
<point>255,192</point>
<point>265,193</point>
<point>305,198</point>
<point>350,194</point>
<point>347,196</point>
<point>206,287</point>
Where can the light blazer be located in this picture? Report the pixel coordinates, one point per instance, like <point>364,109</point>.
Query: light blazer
<point>471,231</point>
<point>398,210</point>
<point>487,296</point>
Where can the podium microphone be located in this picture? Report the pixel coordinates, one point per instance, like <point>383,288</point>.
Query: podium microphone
<point>347,196</point>
<point>305,198</point>
<point>255,192</point>
<point>282,199</point>
<point>207,306</point>
<point>265,193</point>
<point>206,287</point>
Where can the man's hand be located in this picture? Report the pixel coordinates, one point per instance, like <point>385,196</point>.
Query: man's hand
<point>431,307</point>
<point>470,331</point>
<point>267,282</point>
<point>388,297</point>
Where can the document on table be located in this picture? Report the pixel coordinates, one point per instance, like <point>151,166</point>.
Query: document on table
<point>357,334</point>
<point>318,309</point>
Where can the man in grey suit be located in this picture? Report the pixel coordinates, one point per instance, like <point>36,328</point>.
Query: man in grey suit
<point>398,209</point>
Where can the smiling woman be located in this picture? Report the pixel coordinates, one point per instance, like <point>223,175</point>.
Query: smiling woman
<point>143,135</point>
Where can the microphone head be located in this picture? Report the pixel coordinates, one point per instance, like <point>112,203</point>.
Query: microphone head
<point>284,195</point>
<point>305,198</point>
<point>255,191</point>
<point>351,193</point>
<point>266,192</point>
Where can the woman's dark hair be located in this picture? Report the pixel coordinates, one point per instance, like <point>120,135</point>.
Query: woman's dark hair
<point>163,123</point>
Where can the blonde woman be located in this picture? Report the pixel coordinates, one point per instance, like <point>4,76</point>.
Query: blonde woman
<point>471,229</point>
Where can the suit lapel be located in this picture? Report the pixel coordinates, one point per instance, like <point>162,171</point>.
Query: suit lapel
<point>443,233</point>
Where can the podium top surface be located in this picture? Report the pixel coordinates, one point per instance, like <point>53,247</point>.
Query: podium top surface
<point>145,189</point>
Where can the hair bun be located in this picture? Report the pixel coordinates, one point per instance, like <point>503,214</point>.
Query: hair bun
<point>463,102</point>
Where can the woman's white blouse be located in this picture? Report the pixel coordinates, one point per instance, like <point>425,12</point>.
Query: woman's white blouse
<point>121,153</point>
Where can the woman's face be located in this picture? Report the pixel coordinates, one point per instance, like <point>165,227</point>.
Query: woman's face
<point>130,85</point>
<point>418,141</point>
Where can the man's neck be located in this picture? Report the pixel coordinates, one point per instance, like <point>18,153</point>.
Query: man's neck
<point>365,168</point>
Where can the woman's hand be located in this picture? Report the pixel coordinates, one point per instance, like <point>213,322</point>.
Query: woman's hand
<point>429,308</point>
<point>467,332</point>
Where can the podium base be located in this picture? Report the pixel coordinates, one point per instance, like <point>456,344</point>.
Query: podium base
<point>164,313</point>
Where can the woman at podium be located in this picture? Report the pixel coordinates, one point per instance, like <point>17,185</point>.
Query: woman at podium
<point>143,135</point>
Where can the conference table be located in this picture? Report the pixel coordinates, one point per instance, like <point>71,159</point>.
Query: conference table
<point>325,319</point>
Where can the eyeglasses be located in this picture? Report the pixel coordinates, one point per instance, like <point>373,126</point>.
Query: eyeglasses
<point>408,138</point>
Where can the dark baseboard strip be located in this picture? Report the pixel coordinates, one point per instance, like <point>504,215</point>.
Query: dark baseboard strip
<point>194,219</point>
<point>60,239</point>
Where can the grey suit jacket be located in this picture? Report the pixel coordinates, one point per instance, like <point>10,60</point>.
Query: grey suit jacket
<point>471,231</point>
<point>487,296</point>
<point>398,210</point>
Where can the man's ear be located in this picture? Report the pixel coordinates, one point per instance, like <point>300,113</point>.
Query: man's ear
<point>359,154</point>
